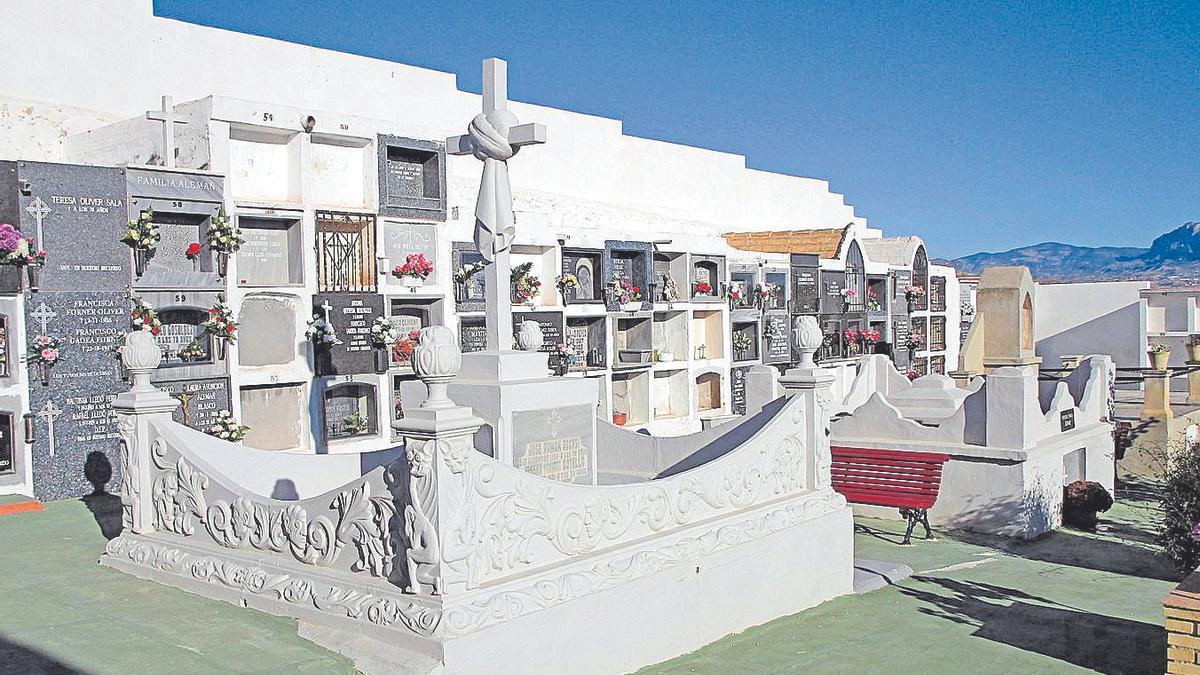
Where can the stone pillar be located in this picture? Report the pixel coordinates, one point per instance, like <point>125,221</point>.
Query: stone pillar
<point>813,385</point>
<point>438,442</point>
<point>1156,394</point>
<point>135,409</point>
<point>1193,397</point>
<point>1181,609</point>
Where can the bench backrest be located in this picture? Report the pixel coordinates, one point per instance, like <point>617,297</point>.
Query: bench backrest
<point>896,478</point>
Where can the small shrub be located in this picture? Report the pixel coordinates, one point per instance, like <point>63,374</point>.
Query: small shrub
<point>1082,500</point>
<point>1181,508</point>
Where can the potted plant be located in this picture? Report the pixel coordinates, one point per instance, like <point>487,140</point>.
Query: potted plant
<point>320,332</point>
<point>226,427</point>
<point>703,288</point>
<point>567,282</point>
<point>849,295</point>
<point>626,295</point>
<point>383,336</point>
<point>17,251</point>
<point>402,348</point>
<point>415,270</point>
<point>224,239</point>
<point>868,337</point>
<point>143,317</point>
<point>764,293</point>
<point>355,424</point>
<point>565,358</point>
<point>853,339</point>
<point>221,326</point>
<point>873,301</point>
<point>462,275</point>
<point>44,351</point>
<point>192,351</point>
<point>142,236</point>
<point>913,293</point>
<point>525,286</point>
<point>735,296</point>
<point>1160,354</point>
<point>742,342</point>
<point>620,418</point>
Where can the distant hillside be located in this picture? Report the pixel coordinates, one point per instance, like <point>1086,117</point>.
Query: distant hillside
<point>1173,259</point>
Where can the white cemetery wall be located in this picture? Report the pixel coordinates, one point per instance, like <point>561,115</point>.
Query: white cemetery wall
<point>1091,318</point>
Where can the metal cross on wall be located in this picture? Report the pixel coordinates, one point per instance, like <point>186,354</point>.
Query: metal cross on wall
<point>493,137</point>
<point>43,315</point>
<point>169,119</point>
<point>50,412</point>
<point>39,211</point>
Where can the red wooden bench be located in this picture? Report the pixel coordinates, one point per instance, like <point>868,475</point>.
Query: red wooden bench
<point>908,481</point>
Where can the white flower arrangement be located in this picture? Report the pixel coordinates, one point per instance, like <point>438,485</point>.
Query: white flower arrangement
<point>226,427</point>
<point>384,331</point>
<point>320,332</point>
<point>223,237</point>
<point>142,233</point>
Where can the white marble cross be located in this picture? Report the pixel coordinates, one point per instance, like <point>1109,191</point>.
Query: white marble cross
<point>169,119</point>
<point>50,412</point>
<point>327,307</point>
<point>39,211</point>
<point>43,315</point>
<point>493,137</point>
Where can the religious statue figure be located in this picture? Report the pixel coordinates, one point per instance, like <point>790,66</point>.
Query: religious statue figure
<point>670,289</point>
<point>494,228</point>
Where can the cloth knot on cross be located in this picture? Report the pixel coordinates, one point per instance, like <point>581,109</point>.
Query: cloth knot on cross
<point>488,141</point>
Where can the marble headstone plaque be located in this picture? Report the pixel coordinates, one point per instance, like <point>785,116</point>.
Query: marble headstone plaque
<point>267,330</point>
<point>551,324</point>
<point>412,178</point>
<point>903,280</point>
<point>587,268</point>
<point>271,254</point>
<point>472,334</point>
<point>469,295</point>
<point>276,414</point>
<point>555,443</point>
<point>175,185</point>
<point>75,450</point>
<point>342,403</point>
<point>200,400</point>
<point>778,346</point>
<point>806,291</point>
<point>630,261</point>
<point>82,213</point>
<point>737,390</point>
<point>832,284</point>
<point>8,445</point>
<point>401,240</point>
<point>351,315</point>
<point>901,330</point>
<point>183,205</point>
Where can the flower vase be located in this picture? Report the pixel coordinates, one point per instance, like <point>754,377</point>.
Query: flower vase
<point>219,346</point>
<point>382,360</point>
<point>33,272</point>
<point>141,256</point>
<point>44,373</point>
<point>631,307</point>
<point>411,283</point>
<point>222,264</point>
<point>1158,360</point>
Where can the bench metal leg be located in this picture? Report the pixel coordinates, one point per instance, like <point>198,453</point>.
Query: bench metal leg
<point>911,516</point>
<point>925,522</point>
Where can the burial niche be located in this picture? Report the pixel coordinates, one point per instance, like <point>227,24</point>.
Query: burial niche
<point>708,392</point>
<point>412,178</point>
<point>276,415</point>
<point>272,254</point>
<point>350,411</point>
<point>346,252</point>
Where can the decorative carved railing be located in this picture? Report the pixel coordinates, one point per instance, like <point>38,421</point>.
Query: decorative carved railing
<point>445,540</point>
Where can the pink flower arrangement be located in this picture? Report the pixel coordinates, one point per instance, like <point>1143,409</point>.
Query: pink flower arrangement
<point>851,335</point>
<point>869,336</point>
<point>44,349</point>
<point>912,375</point>
<point>416,265</point>
<point>17,251</point>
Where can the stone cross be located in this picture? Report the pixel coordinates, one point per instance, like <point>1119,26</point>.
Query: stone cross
<point>39,211</point>
<point>50,412</point>
<point>326,306</point>
<point>43,315</point>
<point>169,119</point>
<point>493,137</point>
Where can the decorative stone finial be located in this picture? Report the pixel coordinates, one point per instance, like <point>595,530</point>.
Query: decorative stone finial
<point>808,339</point>
<point>140,355</point>
<point>529,336</point>
<point>436,360</point>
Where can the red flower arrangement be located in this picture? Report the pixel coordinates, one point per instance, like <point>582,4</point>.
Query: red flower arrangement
<point>416,266</point>
<point>403,348</point>
<point>704,288</point>
<point>869,336</point>
<point>193,251</point>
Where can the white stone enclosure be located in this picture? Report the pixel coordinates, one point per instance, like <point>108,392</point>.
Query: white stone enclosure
<point>447,558</point>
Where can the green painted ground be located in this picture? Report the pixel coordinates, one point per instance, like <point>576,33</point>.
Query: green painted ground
<point>1066,603</point>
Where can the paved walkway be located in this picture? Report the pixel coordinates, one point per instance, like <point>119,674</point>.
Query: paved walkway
<point>1066,603</point>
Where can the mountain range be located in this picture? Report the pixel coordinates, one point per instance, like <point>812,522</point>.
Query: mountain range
<point>1173,259</point>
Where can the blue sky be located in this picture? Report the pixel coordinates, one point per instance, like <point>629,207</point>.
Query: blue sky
<point>977,127</point>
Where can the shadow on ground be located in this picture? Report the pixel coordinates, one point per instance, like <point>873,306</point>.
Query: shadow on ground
<point>106,509</point>
<point>1105,644</point>
<point>16,658</point>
